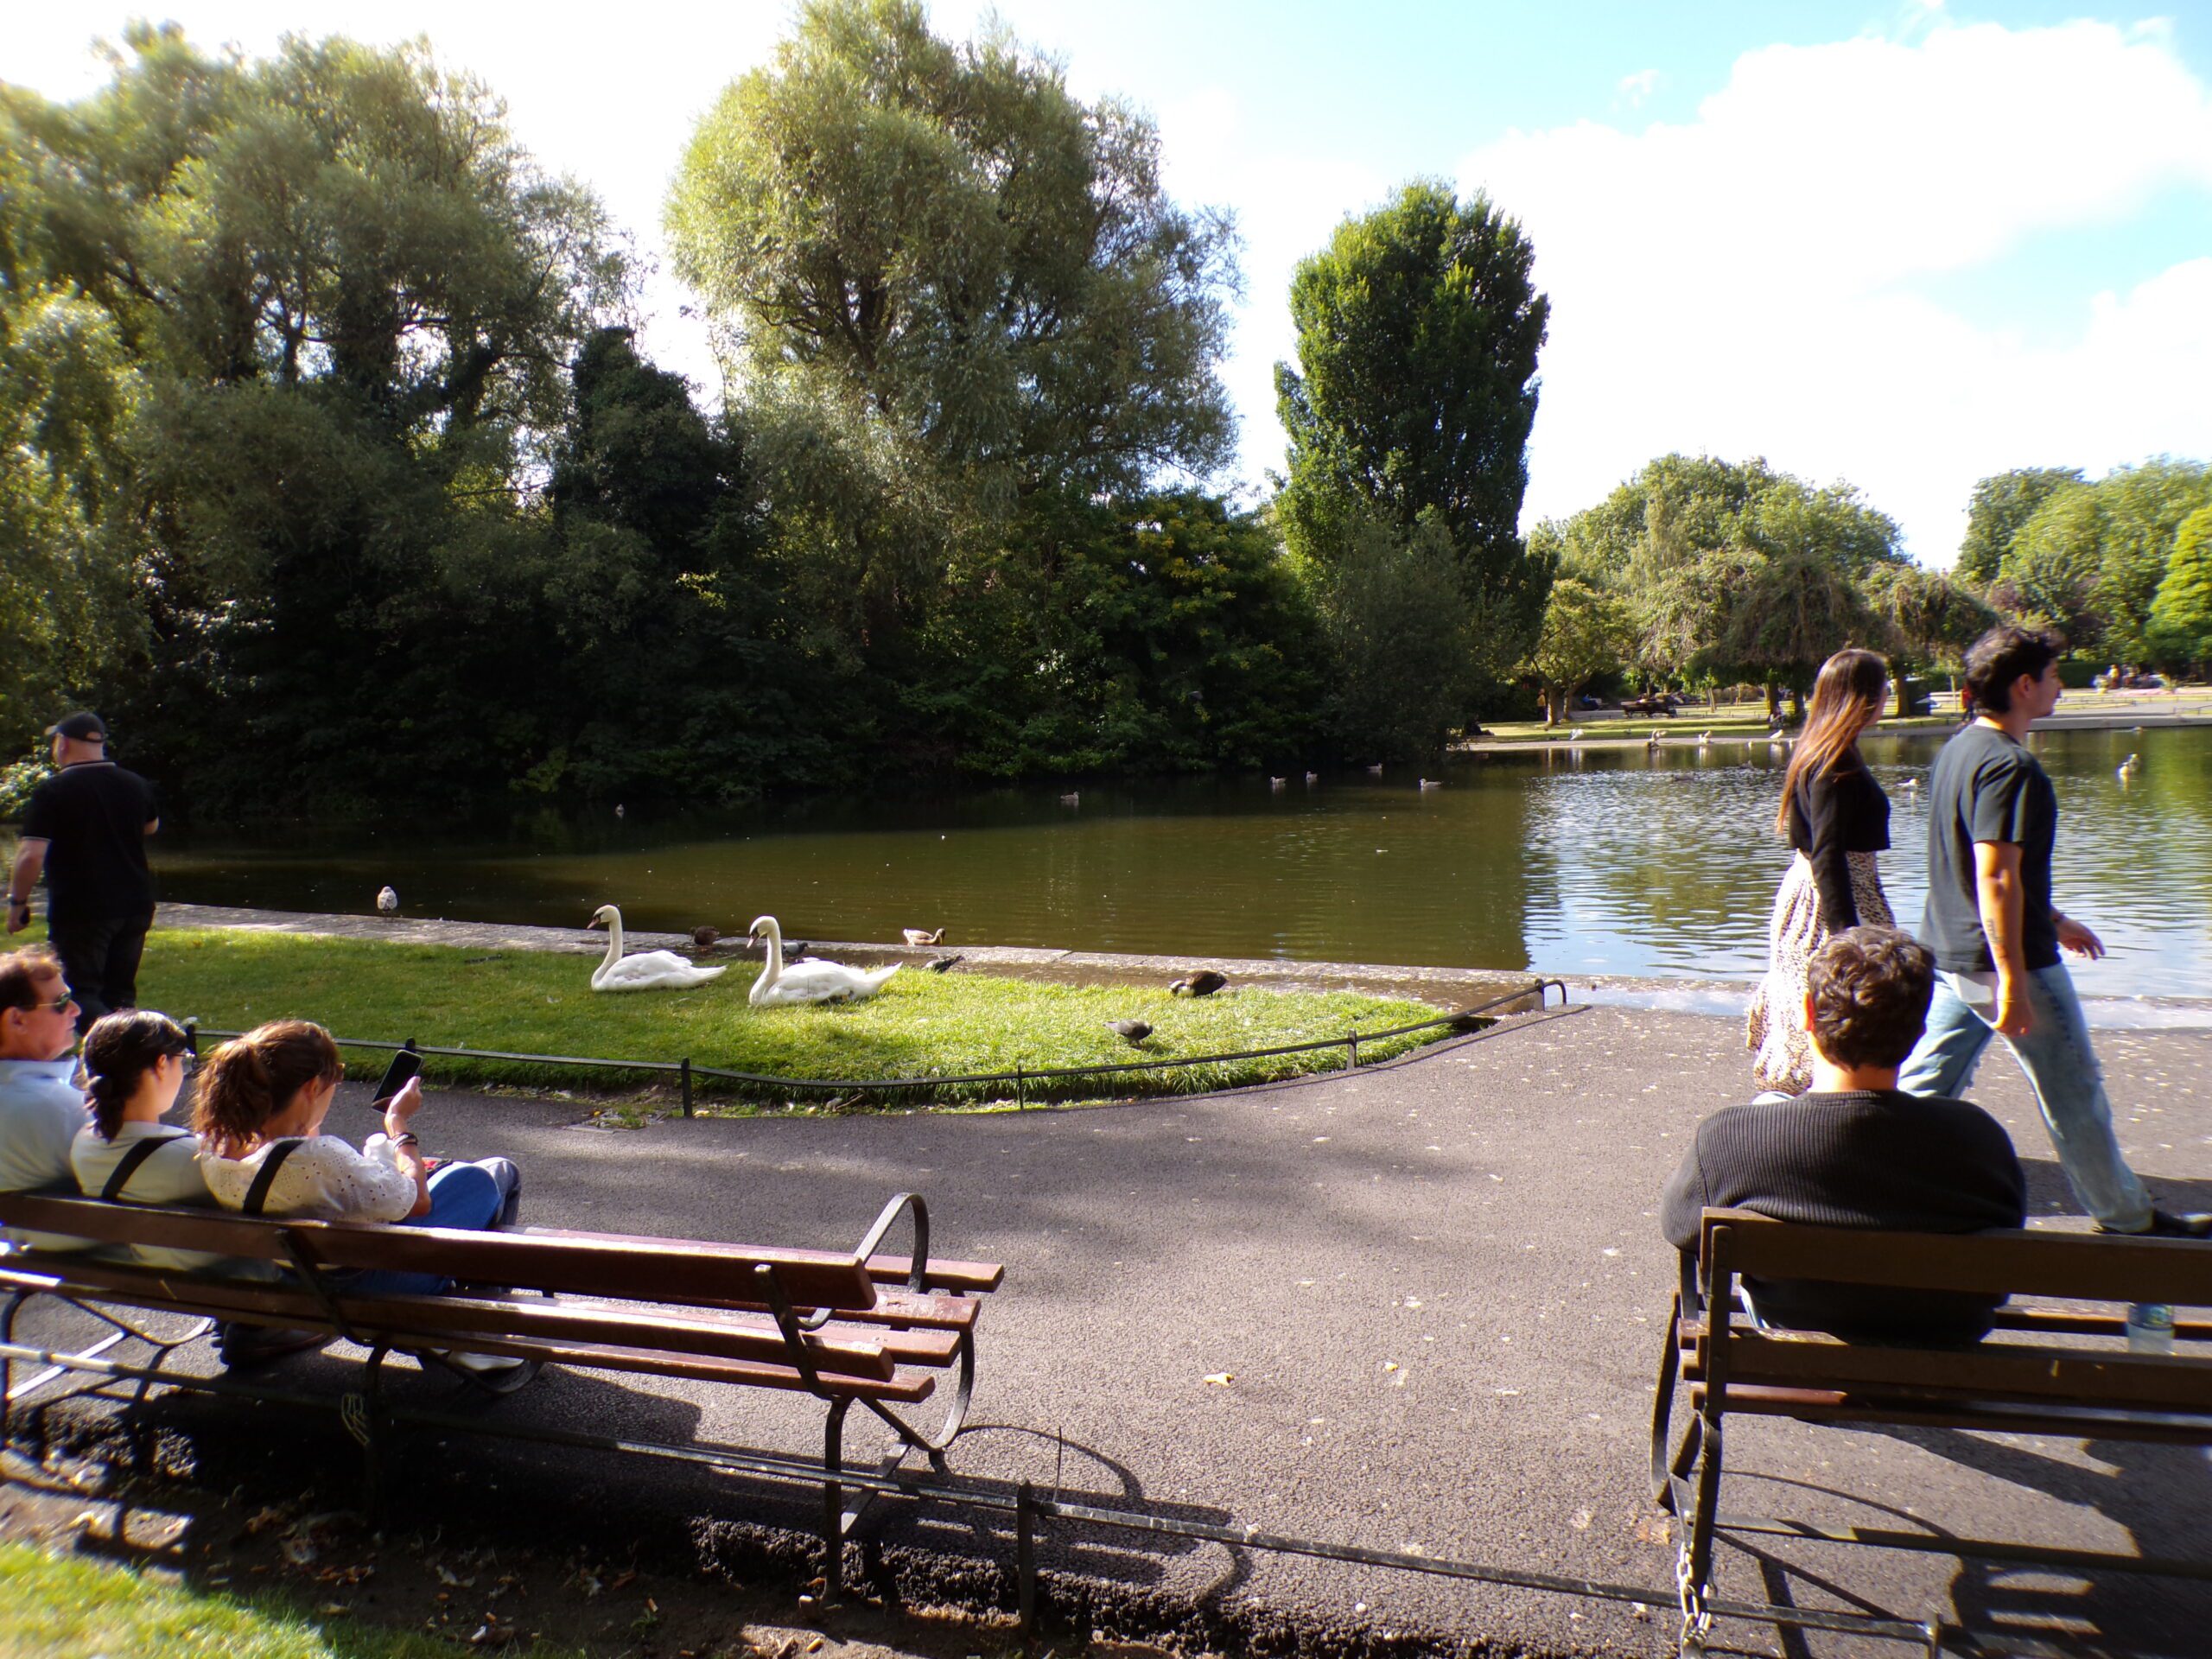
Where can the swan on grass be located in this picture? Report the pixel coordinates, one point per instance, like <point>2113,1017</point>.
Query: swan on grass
<point>807,981</point>
<point>649,971</point>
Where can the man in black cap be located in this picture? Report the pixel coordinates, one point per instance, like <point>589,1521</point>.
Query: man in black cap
<point>87,828</point>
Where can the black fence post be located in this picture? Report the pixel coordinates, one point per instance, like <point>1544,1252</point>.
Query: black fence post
<point>1024,1563</point>
<point>1354,1065</point>
<point>685,1072</point>
<point>1020,1090</point>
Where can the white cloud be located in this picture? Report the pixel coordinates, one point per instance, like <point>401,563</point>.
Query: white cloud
<point>1747,283</point>
<point>1634,89</point>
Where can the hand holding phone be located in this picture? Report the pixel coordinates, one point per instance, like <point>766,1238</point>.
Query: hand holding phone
<point>406,1065</point>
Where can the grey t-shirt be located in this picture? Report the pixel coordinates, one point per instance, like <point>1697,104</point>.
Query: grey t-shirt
<point>1987,787</point>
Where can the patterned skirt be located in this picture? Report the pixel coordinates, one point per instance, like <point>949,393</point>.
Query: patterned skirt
<point>1783,1058</point>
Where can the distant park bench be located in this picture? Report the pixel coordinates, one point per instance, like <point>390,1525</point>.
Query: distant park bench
<point>2046,1369</point>
<point>844,1327</point>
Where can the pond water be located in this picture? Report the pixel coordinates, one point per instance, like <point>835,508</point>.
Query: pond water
<point>1613,861</point>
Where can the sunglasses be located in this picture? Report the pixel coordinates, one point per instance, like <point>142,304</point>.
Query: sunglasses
<point>66,999</point>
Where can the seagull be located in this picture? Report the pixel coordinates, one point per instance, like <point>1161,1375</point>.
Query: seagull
<point>1574,736</point>
<point>618,809</point>
<point>917,938</point>
<point>944,964</point>
<point>388,902</point>
<point>1311,779</point>
<point>1432,782</point>
<point>1912,785</point>
<point>2128,768</point>
<point>1073,797</point>
<point>1375,771</point>
<point>1278,783</point>
<point>1135,1030</point>
<point>1705,740</point>
<point>1205,982</point>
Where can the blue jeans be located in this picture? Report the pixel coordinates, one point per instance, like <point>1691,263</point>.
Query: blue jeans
<point>2063,1072</point>
<point>473,1196</point>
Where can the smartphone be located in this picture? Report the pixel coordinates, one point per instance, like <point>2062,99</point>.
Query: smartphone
<point>405,1065</point>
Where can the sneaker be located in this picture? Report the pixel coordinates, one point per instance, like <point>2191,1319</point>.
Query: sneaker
<point>2167,1223</point>
<point>500,1373</point>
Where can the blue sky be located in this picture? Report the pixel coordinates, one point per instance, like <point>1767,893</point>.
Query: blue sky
<point>1903,245</point>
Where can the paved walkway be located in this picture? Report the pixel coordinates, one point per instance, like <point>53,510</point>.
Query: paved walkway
<point>1437,1292</point>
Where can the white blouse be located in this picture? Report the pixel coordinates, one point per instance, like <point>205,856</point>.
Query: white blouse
<point>323,1178</point>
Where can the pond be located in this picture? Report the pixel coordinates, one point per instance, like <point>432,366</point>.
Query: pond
<point>1607,862</point>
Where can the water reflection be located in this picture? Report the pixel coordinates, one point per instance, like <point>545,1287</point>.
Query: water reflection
<point>1614,861</point>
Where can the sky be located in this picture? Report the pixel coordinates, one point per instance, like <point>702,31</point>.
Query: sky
<point>1903,245</point>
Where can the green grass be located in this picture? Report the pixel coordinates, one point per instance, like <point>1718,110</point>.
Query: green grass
<point>75,1607</point>
<point>921,1026</point>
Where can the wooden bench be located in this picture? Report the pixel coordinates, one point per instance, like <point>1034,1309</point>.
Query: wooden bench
<point>2051,1367</point>
<point>844,1327</point>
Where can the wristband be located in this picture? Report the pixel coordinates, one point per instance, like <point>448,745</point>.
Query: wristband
<point>405,1138</point>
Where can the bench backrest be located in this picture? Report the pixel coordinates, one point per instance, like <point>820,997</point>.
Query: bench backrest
<point>2059,1369</point>
<point>589,1264</point>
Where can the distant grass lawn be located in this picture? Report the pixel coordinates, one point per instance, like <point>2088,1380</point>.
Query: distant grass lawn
<point>921,1026</point>
<point>74,1608</point>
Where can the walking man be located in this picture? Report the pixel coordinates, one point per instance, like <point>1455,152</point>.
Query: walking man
<point>87,828</point>
<point>1993,820</point>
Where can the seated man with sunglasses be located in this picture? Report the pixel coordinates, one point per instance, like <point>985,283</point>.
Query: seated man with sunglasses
<point>41,1109</point>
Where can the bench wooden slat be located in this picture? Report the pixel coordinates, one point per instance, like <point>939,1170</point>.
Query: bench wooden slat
<point>905,1388</point>
<point>2090,1422</point>
<point>960,1277</point>
<point>1991,1370</point>
<point>583,1263</point>
<point>2088,1266</point>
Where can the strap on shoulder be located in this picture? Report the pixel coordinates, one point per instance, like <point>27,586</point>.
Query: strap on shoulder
<point>265,1177</point>
<point>127,1166</point>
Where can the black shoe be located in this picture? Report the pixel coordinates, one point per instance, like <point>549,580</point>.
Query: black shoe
<point>243,1347</point>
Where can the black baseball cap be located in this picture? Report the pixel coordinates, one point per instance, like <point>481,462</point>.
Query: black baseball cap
<point>82,727</point>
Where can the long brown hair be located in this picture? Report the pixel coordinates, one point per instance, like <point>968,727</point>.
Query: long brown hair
<point>1849,687</point>
<point>119,1050</point>
<point>252,1078</point>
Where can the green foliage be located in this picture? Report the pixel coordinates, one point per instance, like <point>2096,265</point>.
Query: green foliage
<point>2143,509</point>
<point>942,244</point>
<point>1402,643</point>
<point>1418,330</point>
<point>2048,577</point>
<point>2180,627</point>
<point>1586,633</point>
<point>1999,507</point>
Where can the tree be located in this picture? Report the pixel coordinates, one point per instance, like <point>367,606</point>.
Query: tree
<point>1418,330</point>
<point>2180,616</point>
<point>1400,640</point>
<point>2000,505</point>
<point>2142,508</point>
<point>2049,575</point>
<point>1586,633</point>
<point>1931,621</point>
<point>943,244</point>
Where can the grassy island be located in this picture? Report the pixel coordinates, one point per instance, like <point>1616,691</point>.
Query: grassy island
<point>922,1027</point>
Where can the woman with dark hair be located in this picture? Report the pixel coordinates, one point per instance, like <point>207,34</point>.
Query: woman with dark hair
<point>259,1110</point>
<point>1835,818</point>
<point>135,1062</point>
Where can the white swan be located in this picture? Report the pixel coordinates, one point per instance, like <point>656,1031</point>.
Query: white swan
<point>809,981</point>
<point>649,971</point>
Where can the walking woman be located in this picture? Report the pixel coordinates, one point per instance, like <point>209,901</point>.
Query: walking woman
<point>1836,818</point>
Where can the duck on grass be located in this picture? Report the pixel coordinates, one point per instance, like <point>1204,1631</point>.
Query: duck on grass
<point>920,1027</point>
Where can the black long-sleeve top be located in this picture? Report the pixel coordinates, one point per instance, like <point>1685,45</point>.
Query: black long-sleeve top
<point>1842,811</point>
<point>1875,1159</point>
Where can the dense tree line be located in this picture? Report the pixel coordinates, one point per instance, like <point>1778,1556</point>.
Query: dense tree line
<point>333,475</point>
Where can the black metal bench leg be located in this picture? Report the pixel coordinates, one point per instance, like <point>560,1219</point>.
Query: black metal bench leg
<point>833,1503</point>
<point>1696,1568</point>
<point>362,1412</point>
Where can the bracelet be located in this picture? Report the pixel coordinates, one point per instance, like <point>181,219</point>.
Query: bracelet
<point>405,1138</point>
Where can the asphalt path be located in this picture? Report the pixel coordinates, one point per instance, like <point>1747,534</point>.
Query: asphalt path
<point>1435,1291</point>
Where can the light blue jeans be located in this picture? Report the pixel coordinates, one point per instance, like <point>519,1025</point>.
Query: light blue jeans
<point>2062,1070</point>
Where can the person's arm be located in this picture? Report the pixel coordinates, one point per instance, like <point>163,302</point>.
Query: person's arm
<point>1682,1208</point>
<point>406,1151</point>
<point>1998,896</point>
<point>1830,799</point>
<point>30,861</point>
<point>2075,937</point>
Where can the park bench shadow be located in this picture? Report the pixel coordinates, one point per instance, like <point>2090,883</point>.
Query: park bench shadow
<point>2049,1194</point>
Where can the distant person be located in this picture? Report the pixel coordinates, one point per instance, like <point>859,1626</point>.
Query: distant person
<point>87,828</point>
<point>1992,821</point>
<point>40,1110</point>
<point>1836,819</point>
<point>1856,1151</point>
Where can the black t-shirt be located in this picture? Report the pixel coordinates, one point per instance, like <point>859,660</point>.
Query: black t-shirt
<point>1987,787</point>
<point>93,817</point>
<point>1842,811</point>
<point>1878,1159</point>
